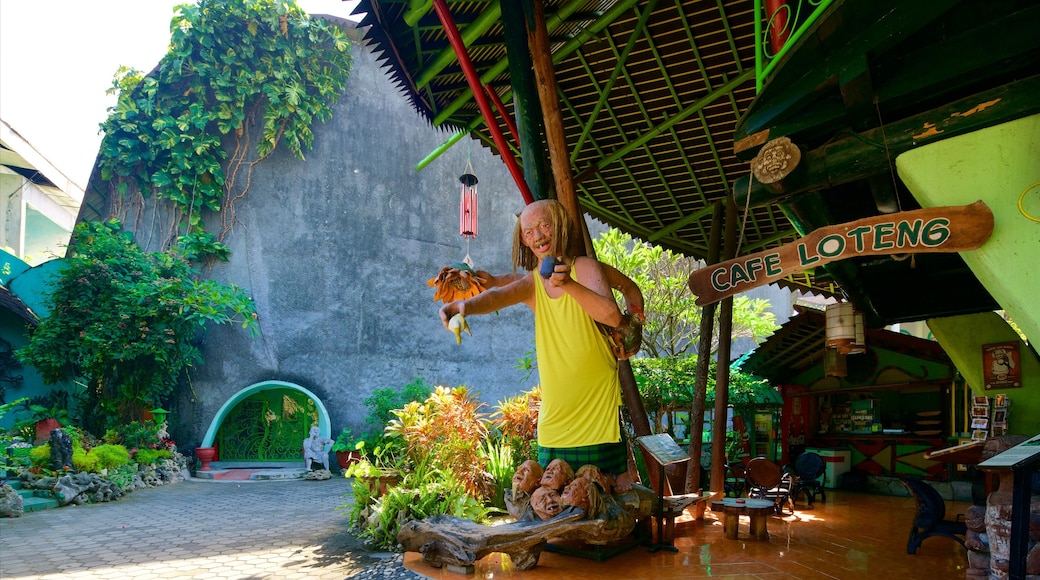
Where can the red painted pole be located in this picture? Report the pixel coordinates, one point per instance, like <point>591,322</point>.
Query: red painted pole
<point>509,121</point>
<point>478,94</point>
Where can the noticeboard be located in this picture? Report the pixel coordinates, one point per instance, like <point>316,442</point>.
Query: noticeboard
<point>1018,457</point>
<point>663,448</point>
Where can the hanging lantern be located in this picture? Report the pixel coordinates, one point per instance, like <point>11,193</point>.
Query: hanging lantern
<point>845,331</point>
<point>468,206</point>
<point>841,325</point>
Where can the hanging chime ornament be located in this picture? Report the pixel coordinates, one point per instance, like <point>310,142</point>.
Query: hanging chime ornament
<point>468,207</point>
<point>458,281</point>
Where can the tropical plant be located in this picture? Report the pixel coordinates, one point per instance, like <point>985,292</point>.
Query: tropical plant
<point>382,402</point>
<point>446,430</point>
<point>425,491</point>
<point>500,466</point>
<point>672,317</point>
<point>126,323</point>
<point>229,62</point>
<point>667,384</point>
<point>515,421</point>
<point>345,441</point>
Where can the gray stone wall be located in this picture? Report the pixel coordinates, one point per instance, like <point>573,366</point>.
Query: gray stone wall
<point>336,251</point>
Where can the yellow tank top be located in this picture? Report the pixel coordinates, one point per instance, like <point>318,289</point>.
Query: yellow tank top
<point>578,373</point>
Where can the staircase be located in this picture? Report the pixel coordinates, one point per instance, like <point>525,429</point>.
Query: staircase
<point>34,500</point>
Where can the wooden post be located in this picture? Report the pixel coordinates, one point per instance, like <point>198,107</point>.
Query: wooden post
<point>700,388</point>
<point>718,438</point>
<point>545,79</point>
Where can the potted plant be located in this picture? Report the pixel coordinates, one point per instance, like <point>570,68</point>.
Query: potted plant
<point>345,448</point>
<point>48,418</point>
<point>377,470</point>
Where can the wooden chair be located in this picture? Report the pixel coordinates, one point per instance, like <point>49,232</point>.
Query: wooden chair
<point>765,480</point>
<point>930,519</point>
<point>808,472</point>
<point>736,480</point>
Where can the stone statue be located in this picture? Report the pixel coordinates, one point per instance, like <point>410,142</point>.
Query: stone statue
<point>315,448</point>
<point>61,450</point>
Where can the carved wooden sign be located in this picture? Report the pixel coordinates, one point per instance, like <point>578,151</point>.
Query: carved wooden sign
<point>931,230</point>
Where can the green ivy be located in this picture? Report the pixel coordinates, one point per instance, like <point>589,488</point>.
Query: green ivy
<point>126,323</point>
<point>229,61</point>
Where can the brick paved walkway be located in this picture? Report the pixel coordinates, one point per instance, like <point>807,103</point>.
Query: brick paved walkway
<point>192,529</point>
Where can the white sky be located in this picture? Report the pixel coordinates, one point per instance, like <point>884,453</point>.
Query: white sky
<point>57,59</point>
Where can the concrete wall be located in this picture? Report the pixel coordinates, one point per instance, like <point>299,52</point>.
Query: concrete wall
<point>336,251</point>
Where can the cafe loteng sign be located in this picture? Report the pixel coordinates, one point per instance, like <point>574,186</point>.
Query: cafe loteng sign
<point>931,230</point>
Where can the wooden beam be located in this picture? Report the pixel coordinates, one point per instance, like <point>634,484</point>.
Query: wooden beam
<point>545,80</point>
<point>866,154</point>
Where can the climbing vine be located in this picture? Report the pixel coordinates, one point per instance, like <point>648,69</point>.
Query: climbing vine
<point>230,63</point>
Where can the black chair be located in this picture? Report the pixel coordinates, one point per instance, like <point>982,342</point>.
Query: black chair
<point>765,480</point>
<point>930,519</point>
<point>808,472</point>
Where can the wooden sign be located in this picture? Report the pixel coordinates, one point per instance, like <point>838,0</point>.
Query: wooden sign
<point>931,230</point>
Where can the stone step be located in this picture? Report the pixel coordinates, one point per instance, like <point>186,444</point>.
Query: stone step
<point>35,504</point>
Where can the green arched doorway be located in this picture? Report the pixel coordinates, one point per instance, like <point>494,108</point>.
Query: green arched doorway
<point>267,421</point>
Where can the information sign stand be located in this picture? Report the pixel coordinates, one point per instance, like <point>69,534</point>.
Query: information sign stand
<point>1022,460</point>
<point>665,451</point>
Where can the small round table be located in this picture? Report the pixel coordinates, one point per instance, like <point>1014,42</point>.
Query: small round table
<point>734,507</point>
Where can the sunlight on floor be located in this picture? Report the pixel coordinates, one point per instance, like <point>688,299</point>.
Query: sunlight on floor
<point>850,536</point>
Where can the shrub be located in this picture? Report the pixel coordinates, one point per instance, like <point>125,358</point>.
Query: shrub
<point>147,456</point>
<point>107,456</point>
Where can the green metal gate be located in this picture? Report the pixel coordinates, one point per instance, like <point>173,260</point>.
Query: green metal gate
<point>267,426</point>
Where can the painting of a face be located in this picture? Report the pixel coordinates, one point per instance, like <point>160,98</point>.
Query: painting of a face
<point>526,477</point>
<point>557,474</point>
<point>546,502</point>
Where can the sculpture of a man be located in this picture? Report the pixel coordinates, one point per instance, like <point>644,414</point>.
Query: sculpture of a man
<point>314,449</point>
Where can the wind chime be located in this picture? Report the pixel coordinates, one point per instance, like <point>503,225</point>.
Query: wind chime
<point>458,281</point>
<point>468,209</point>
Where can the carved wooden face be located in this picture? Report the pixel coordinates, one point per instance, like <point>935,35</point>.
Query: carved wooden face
<point>526,477</point>
<point>594,475</point>
<point>546,502</point>
<point>576,493</point>
<point>557,475</point>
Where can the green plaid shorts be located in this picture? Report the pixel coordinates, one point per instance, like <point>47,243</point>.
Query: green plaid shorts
<point>610,458</point>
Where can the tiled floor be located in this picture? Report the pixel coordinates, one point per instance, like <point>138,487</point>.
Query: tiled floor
<point>850,536</point>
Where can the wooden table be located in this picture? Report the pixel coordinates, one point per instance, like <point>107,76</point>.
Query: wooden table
<point>758,510</point>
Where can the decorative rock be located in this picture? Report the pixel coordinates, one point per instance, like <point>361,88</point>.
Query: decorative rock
<point>11,504</point>
<point>318,475</point>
